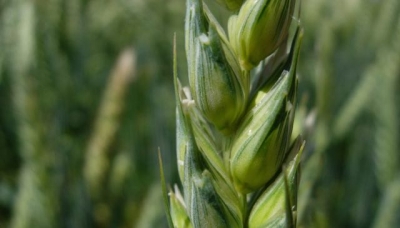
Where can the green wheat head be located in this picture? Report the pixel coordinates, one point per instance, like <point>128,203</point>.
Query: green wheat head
<point>236,160</point>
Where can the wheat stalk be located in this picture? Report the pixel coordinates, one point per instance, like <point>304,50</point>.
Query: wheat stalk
<point>236,162</point>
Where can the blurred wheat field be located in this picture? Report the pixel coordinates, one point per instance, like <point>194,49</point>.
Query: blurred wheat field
<point>86,98</point>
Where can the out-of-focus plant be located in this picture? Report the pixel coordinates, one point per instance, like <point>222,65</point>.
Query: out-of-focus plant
<point>351,57</point>
<point>63,164</point>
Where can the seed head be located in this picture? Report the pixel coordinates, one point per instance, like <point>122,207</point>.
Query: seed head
<point>259,28</point>
<point>264,135</point>
<point>259,148</point>
<point>217,89</point>
<point>178,211</point>
<point>217,170</point>
<point>276,205</point>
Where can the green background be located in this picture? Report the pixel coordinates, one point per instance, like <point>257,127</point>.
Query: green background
<point>57,62</point>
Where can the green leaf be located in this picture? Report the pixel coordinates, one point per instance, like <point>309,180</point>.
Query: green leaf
<point>164,191</point>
